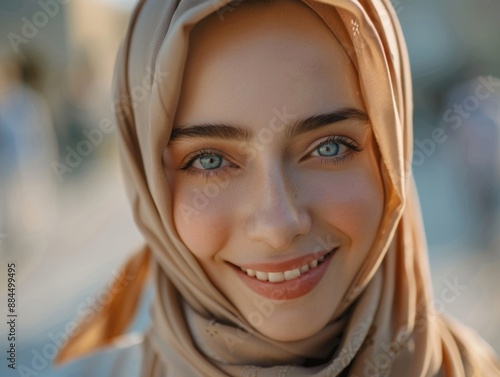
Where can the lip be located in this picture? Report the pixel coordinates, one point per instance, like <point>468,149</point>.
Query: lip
<point>287,265</point>
<point>287,289</point>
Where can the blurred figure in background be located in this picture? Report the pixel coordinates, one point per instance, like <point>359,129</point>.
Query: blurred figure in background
<point>473,124</point>
<point>27,148</point>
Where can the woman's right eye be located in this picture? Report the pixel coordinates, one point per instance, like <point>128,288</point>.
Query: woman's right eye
<point>208,162</point>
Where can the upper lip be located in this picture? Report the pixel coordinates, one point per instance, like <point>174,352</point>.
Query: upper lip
<point>288,265</point>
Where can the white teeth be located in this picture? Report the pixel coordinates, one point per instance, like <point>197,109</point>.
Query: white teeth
<point>292,274</point>
<point>304,269</point>
<point>276,277</point>
<point>261,275</point>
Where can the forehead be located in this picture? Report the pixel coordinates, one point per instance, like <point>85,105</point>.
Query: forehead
<point>261,58</point>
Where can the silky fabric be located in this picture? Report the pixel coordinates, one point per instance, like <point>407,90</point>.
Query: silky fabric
<point>385,325</point>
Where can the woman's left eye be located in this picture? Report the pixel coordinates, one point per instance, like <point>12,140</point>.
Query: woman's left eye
<point>336,146</point>
<point>328,149</point>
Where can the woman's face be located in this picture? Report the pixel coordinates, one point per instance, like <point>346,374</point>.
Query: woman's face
<point>272,165</point>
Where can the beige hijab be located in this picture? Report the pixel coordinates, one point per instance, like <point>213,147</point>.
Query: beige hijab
<point>385,326</point>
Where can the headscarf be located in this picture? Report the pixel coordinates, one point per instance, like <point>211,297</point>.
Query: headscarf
<point>385,325</point>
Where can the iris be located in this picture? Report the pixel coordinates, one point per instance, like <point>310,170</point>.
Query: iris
<point>210,161</point>
<point>330,149</point>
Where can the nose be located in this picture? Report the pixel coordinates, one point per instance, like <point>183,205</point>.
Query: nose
<point>276,217</point>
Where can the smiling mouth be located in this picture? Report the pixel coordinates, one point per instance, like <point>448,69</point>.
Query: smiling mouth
<point>276,277</point>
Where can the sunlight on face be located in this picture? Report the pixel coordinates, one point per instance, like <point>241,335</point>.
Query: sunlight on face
<point>272,164</point>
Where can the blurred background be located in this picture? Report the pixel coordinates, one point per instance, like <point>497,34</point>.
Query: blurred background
<point>64,217</point>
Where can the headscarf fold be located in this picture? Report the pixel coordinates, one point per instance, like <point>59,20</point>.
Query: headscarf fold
<point>385,325</point>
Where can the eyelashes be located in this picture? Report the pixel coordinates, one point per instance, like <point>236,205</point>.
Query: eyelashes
<point>211,162</point>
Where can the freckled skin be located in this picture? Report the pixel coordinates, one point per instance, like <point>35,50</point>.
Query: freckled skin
<point>278,203</point>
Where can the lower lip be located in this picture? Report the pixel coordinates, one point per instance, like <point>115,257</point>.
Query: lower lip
<point>287,289</point>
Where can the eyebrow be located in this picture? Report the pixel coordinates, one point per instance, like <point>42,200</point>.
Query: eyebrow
<point>230,132</point>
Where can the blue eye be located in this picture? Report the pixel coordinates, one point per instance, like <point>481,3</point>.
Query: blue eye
<point>329,149</point>
<point>336,149</point>
<point>208,162</point>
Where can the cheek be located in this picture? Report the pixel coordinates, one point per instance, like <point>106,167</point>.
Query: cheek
<point>202,219</point>
<point>352,202</point>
